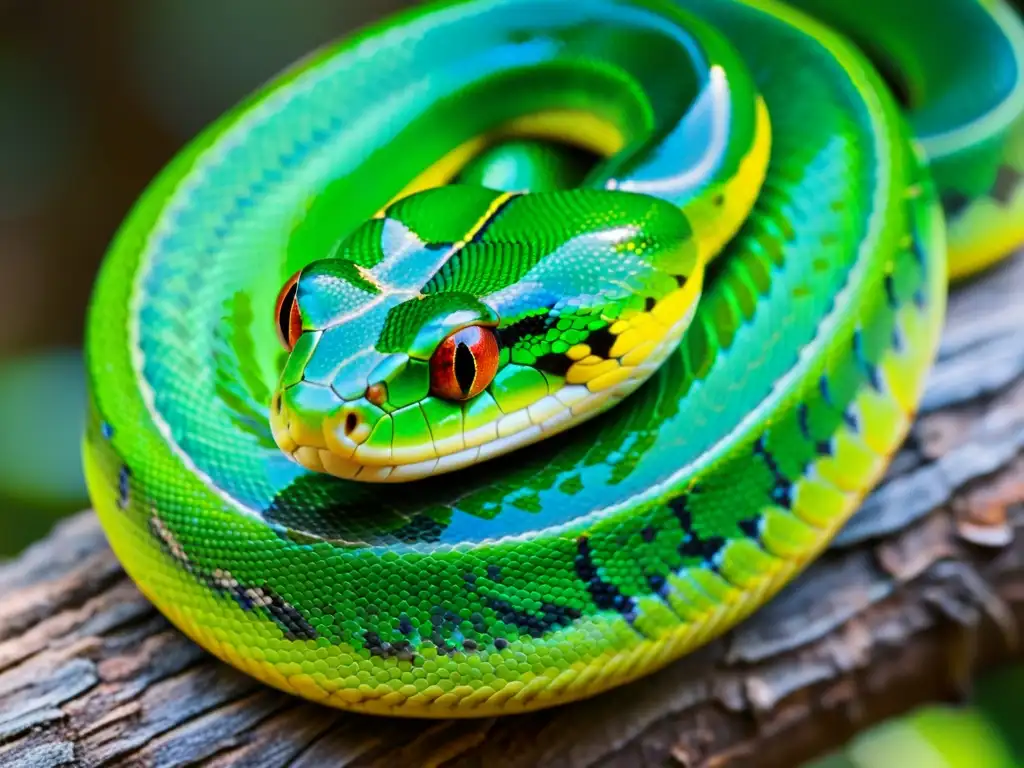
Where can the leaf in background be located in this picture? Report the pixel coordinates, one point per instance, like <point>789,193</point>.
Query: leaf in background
<point>42,417</point>
<point>932,737</point>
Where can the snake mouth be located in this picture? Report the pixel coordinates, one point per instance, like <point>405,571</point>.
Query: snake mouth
<point>548,416</point>
<point>344,447</point>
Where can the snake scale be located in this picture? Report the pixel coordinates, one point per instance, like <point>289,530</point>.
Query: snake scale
<point>507,350</point>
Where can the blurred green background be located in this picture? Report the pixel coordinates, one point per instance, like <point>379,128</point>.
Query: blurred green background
<point>95,98</point>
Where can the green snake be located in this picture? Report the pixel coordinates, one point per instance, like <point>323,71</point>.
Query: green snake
<point>508,350</point>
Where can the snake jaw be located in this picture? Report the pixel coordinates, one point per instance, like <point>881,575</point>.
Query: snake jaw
<point>370,463</point>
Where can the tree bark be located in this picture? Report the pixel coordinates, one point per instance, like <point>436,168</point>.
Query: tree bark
<point>922,589</point>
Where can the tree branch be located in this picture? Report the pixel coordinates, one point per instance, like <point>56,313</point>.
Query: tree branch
<point>923,588</point>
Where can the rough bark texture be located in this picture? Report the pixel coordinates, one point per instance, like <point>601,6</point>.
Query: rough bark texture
<point>924,587</point>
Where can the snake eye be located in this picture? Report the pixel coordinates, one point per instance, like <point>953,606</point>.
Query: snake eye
<point>289,321</point>
<point>464,363</point>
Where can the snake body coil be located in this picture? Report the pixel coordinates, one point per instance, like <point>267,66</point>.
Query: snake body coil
<point>709,319</point>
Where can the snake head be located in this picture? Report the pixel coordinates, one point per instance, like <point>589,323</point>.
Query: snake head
<point>377,379</point>
<point>416,352</point>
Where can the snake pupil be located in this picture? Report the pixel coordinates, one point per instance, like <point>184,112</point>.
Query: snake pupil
<point>465,368</point>
<point>286,304</point>
<point>289,321</point>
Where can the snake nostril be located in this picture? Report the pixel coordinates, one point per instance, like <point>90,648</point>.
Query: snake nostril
<point>351,422</point>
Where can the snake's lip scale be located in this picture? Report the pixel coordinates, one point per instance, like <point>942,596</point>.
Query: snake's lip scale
<point>748,285</point>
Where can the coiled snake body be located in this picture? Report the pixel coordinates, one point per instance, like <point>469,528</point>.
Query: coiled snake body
<point>510,349</point>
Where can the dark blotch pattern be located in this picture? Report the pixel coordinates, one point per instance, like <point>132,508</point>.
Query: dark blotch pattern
<point>954,203</point>
<point>551,616</point>
<point>751,527</point>
<point>693,544</point>
<point>1006,184</point>
<point>557,365</point>
<point>826,391</point>
<point>124,487</point>
<point>658,584</point>
<point>606,596</point>
<point>600,342</point>
<point>532,325</point>
<point>444,623</point>
<point>782,492</point>
<point>890,292</point>
<point>870,371</point>
<point>249,598</point>
<point>290,620</point>
<point>803,416</point>
<point>401,650</point>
